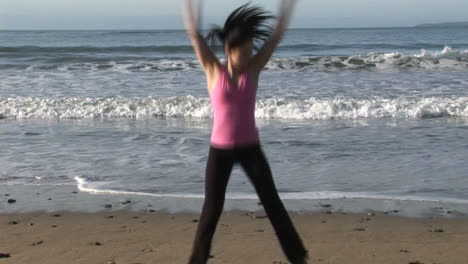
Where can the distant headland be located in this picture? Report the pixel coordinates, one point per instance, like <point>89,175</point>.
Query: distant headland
<point>449,24</point>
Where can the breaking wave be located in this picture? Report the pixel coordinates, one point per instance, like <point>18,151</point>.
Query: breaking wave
<point>199,107</point>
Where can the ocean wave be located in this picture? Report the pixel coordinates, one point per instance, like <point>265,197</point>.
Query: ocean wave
<point>445,59</point>
<point>199,107</point>
<point>448,58</point>
<point>127,65</point>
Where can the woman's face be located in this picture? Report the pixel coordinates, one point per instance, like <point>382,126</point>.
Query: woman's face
<point>239,56</point>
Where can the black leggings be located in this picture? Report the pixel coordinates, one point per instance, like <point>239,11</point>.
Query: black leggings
<point>254,163</point>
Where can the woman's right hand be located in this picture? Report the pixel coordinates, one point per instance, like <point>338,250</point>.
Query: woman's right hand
<point>192,15</point>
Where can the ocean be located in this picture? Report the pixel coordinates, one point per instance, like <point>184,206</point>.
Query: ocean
<point>369,118</point>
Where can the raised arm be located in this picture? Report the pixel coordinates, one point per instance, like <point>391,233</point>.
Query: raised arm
<point>264,54</point>
<point>191,19</point>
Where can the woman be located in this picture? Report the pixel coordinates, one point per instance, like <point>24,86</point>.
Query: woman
<point>235,139</point>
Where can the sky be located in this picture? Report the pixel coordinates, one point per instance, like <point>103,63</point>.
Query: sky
<point>166,14</point>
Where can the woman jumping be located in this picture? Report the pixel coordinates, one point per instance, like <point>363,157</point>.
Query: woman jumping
<point>235,138</point>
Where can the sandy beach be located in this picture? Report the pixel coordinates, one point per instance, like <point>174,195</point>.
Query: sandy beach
<point>242,237</point>
<point>105,139</point>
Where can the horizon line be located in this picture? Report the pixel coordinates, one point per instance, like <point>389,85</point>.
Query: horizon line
<point>183,29</point>
<point>439,24</point>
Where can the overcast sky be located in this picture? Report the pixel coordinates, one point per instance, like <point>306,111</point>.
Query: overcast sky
<point>165,14</point>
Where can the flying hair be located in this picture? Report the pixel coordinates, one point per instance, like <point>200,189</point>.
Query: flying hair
<point>245,23</point>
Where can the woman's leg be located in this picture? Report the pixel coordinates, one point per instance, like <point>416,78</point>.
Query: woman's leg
<point>256,166</point>
<point>218,170</point>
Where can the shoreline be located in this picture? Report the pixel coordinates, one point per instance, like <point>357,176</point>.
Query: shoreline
<point>68,198</point>
<point>136,237</point>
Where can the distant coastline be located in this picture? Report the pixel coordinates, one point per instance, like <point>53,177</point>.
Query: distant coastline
<point>445,24</point>
<point>448,24</point>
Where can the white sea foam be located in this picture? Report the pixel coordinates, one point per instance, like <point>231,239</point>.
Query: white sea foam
<point>199,107</point>
<point>82,185</point>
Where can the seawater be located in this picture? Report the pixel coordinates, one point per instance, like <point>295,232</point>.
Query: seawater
<point>377,113</point>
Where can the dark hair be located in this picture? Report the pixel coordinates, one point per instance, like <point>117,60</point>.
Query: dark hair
<point>243,24</point>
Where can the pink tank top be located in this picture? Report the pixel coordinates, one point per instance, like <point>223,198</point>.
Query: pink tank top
<point>233,112</point>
